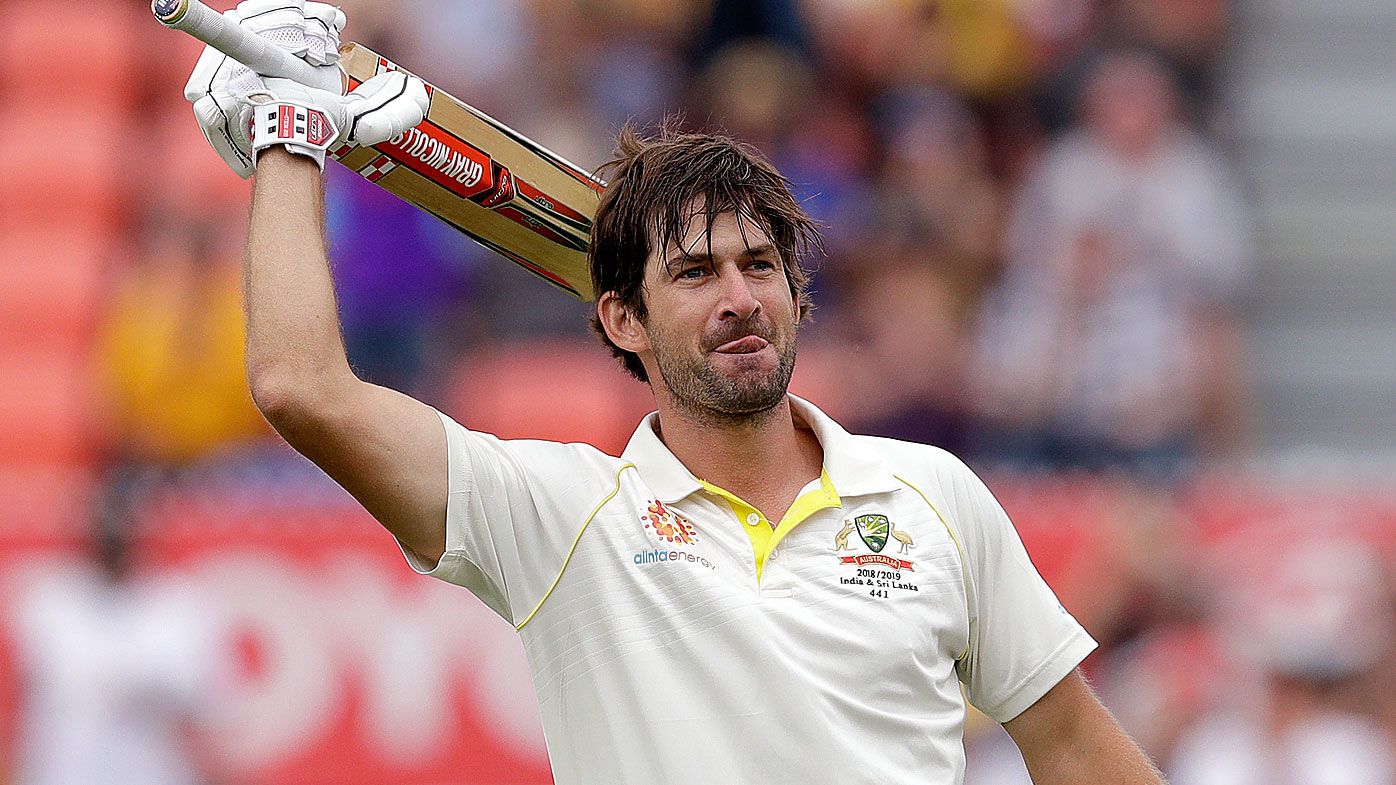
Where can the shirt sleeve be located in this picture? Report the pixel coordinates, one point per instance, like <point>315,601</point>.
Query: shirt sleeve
<point>1022,641</point>
<point>503,493</point>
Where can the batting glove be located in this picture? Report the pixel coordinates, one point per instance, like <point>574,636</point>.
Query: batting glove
<point>310,121</point>
<point>220,87</point>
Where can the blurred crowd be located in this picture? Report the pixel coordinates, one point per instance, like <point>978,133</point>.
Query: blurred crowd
<point>1038,257</point>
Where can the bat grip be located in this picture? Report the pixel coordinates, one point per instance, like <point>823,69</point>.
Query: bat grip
<point>230,38</point>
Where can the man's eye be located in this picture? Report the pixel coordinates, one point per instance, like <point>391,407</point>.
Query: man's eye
<point>693,272</point>
<point>763,264</point>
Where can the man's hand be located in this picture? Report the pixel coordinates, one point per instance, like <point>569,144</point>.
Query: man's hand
<point>241,113</point>
<point>309,121</point>
<point>219,86</point>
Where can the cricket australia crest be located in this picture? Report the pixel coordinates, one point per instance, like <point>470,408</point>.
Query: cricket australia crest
<point>874,529</point>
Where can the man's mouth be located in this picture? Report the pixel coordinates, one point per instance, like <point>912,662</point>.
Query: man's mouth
<point>746,345</point>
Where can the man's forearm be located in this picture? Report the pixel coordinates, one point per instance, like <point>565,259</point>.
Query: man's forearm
<point>1069,738</point>
<point>293,338</point>
<point>1105,756</point>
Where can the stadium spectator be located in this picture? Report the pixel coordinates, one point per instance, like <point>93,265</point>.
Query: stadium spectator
<point>1112,339</point>
<point>169,349</point>
<point>122,668</point>
<point>905,313</point>
<point>1189,34</point>
<point>398,318</point>
<point>753,89</point>
<point>828,155</point>
<point>935,182</point>
<point>1314,628</point>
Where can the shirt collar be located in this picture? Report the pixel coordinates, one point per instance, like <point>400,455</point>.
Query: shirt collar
<point>854,467</point>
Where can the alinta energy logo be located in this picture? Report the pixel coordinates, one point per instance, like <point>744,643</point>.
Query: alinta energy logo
<point>668,525</point>
<point>673,529</point>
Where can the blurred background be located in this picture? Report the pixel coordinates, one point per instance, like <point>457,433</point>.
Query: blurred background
<point>1131,259</point>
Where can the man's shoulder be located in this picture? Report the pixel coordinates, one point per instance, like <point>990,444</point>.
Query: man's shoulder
<point>942,480</point>
<point>574,461</point>
<point>571,454</point>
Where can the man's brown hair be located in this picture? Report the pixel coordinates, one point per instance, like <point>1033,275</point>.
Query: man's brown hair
<point>652,183</point>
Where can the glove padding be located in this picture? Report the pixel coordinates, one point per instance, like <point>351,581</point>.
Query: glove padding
<point>310,121</point>
<point>226,93</point>
<point>219,86</point>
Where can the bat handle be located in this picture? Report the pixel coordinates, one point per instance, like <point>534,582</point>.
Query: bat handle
<point>230,38</point>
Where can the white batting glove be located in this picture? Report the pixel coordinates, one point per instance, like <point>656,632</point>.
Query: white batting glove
<point>309,121</point>
<point>219,87</point>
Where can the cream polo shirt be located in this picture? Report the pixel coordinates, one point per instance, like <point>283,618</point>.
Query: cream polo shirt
<point>677,637</point>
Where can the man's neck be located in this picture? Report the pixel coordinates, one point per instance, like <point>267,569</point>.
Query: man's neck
<point>763,459</point>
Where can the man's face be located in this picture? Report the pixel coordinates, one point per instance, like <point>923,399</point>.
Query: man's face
<point>721,319</point>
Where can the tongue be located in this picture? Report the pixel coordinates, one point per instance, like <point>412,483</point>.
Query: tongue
<point>746,345</point>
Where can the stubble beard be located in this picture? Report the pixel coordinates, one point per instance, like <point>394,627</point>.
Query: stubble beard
<point>708,395</point>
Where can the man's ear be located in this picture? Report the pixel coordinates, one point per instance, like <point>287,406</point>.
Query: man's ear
<point>622,326</point>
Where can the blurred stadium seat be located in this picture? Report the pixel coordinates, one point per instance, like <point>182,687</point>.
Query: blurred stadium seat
<point>44,501</point>
<point>51,287</point>
<point>46,411</point>
<point>569,391</point>
<point>190,174</point>
<point>62,164</point>
<point>83,47</point>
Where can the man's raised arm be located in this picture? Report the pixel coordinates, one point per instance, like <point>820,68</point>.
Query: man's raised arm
<point>386,449</point>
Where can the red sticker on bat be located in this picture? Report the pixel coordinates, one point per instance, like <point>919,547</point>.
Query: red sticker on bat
<point>442,158</point>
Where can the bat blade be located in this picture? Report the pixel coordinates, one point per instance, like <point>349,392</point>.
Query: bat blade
<point>486,180</point>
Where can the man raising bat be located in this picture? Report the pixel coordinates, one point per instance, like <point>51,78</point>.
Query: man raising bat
<point>749,595</point>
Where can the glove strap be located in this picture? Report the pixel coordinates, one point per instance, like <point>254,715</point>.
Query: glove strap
<point>302,129</point>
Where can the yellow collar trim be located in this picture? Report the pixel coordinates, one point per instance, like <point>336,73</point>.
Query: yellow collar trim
<point>764,538</point>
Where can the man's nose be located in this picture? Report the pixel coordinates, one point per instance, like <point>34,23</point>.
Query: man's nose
<point>738,300</point>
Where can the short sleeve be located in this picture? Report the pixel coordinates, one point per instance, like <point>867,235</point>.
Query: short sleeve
<point>1022,641</point>
<point>498,489</point>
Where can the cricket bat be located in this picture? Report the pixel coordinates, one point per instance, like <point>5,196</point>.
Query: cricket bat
<point>505,191</point>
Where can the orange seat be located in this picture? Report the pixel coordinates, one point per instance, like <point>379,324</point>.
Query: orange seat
<point>51,286</point>
<point>90,49</point>
<point>568,391</point>
<point>45,502</point>
<point>168,57</point>
<point>45,406</point>
<point>63,163</point>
